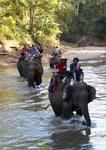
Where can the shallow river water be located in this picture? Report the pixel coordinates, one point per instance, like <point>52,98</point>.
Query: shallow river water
<point>25,124</point>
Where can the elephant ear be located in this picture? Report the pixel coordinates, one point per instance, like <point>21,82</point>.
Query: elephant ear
<point>92,93</point>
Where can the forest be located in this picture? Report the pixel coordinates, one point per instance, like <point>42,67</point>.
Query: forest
<point>50,21</point>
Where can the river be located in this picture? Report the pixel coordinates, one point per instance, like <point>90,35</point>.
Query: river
<point>25,124</point>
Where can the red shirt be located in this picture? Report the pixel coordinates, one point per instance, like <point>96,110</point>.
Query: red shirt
<point>25,49</point>
<point>60,67</point>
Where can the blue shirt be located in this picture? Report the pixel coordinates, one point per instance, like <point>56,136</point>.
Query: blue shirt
<point>32,51</point>
<point>72,67</point>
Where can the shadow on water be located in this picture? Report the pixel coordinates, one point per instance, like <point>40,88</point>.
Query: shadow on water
<point>72,140</point>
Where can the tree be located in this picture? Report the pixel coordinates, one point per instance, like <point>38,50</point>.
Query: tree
<point>33,19</point>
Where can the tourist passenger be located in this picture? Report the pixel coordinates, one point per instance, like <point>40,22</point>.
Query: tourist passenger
<point>61,68</point>
<point>56,52</point>
<point>33,50</point>
<point>78,73</point>
<point>25,49</point>
<point>40,49</point>
<point>73,65</point>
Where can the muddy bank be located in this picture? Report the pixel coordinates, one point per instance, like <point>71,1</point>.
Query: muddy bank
<point>8,60</point>
<point>83,53</point>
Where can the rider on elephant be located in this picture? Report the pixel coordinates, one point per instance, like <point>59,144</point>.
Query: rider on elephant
<point>78,73</point>
<point>73,65</point>
<point>56,55</point>
<point>22,57</point>
<point>61,67</point>
<point>33,50</point>
<point>60,73</point>
<point>56,52</point>
<point>25,49</point>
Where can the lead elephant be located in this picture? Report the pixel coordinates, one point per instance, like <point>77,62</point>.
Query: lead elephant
<point>35,72</point>
<point>67,99</point>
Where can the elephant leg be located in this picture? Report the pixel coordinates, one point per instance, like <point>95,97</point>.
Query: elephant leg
<point>78,112</point>
<point>31,83</point>
<point>67,110</point>
<point>21,72</point>
<point>51,65</point>
<point>25,72</point>
<point>87,116</point>
<point>39,80</point>
<point>57,109</point>
<point>20,69</point>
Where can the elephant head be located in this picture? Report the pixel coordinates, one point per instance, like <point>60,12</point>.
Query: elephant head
<point>77,88</point>
<point>78,96</point>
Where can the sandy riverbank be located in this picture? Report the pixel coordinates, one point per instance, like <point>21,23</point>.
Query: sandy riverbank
<point>82,53</point>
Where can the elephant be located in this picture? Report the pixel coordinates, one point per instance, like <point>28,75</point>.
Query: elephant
<point>32,70</point>
<point>35,72</point>
<point>67,99</point>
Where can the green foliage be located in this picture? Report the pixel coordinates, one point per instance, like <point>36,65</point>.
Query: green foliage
<point>99,28</point>
<point>26,19</point>
<point>45,21</point>
<point>85,18</point>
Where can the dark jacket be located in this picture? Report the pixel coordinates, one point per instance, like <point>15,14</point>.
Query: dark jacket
<point>78,73</point>
<point>72,67</point>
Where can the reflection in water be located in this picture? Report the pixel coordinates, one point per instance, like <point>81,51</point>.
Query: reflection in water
<point>25,124</point>
<point>72,140</point>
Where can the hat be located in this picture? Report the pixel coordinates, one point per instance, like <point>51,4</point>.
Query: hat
<point>63,59</point>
